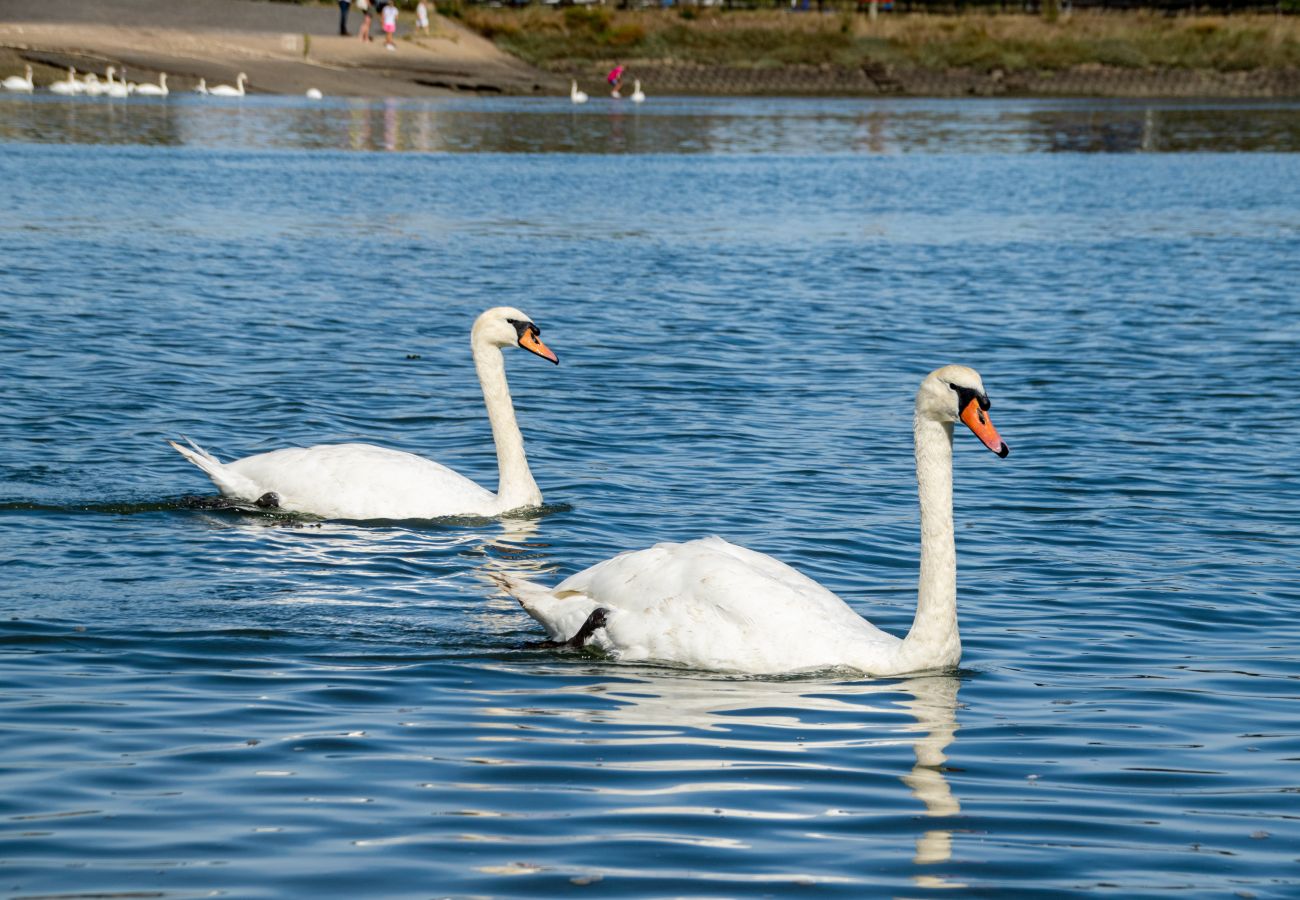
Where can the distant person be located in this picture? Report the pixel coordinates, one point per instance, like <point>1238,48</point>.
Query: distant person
<point>615,80</point>
<point>390,25</point>
<point>364,6</point>
<point>422,16</point>
<point>343,16</point>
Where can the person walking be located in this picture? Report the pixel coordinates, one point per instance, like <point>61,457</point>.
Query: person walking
<point>364,32</point>
<point>390,25</point>
<point>422,17</point>
<point>343,17</point>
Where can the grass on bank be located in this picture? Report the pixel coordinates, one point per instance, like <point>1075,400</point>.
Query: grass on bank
<point>579,35</point>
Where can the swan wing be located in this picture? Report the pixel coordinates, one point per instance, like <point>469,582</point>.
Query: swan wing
<point>362,481</point>
<point>708,604</point>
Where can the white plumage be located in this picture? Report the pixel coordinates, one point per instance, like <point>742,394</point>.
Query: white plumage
<point>22,83</point>
<point>363,481</point>
<point>709,604</point>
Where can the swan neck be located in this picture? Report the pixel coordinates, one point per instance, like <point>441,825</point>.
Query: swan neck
<point>933,641</point>
<point>515,487</point>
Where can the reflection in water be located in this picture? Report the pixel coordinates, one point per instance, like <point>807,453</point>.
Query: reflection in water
<point>656,722</point>
<point>682,125</point>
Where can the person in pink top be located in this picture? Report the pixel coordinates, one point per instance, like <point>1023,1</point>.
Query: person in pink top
<point>390,25</point>
<point>615,79</point>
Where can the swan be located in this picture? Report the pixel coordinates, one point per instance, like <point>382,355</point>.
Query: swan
<point>314,94</point>
<point>709,604</point>
<point>115,88</point>
<point>225,90</point>
<point>202,87</point>
<point>91,85</point>
<point>362,481</point>
<point>70,86</point>
<point>154,90</point>
<point>25,83</point>
<point>576,95</point>
<point>638,96</point>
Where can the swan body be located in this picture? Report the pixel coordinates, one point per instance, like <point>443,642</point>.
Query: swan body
<point>576,95</point>
<point>115,88</point>
<point>154,90</point>
<point>709,604</point>
<point>202,87</point>
<point>362,481</point>
<point>638,95</point>
<point>69,86</point>
<point>20,83</point>
<point>314,94</point>
<point>225,90</point>
<point>91,85</point>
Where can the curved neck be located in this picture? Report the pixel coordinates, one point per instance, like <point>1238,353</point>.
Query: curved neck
<point>933,641</point>
<point>515,486</point>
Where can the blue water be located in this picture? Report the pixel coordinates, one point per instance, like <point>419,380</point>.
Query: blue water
<point>744,296</point>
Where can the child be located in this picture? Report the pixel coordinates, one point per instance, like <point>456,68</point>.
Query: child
<point>422,16</point>
<point>390,25</point>
<point>615,80</point>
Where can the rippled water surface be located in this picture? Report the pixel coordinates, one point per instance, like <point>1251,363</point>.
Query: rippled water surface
<point>743,296</point>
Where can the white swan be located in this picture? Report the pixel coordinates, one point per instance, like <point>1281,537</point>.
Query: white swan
<point>91,85</point>
<point>708,604</point>
<point>225,90</point>
<point>69,86</point>
<point>202,87</point>
<point>16,83</point>
<point>576,95</point>
<point>638,95</point>
<point>362,481</point>
<point>154,90</point>
<point>314,94</point>
<point>115,88</point>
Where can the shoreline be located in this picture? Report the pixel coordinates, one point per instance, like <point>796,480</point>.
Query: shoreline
<point>288,49</point>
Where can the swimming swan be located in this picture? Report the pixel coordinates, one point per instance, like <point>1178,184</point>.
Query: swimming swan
<point>638,95</point>
<point>201,87</point>
<point>225,90</point>
<point>117,89</point>
<point>576,95</point>
<point>69,86</point>
<point>314,94</point>
<point>709,604</point>
<point>154,90</point>
<point>362,481</point>
<point>25,83</point>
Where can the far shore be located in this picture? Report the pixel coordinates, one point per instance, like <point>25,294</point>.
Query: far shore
<point>288,48</point>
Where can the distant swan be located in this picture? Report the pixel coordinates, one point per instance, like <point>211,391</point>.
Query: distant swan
<point>15,83</point>
<point>638,96</point>
<point>69,86</point>
<point>202,86</point>
<point>154,90</point>
<point>576,95</point>
<point>362,481</point>
<point>225,90</point>
<point>708,604</point>
<point>314,94</point>
<point>115,88</point>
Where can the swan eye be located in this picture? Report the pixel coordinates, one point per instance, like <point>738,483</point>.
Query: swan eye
<point>965,395</point>
<point>523,327</point>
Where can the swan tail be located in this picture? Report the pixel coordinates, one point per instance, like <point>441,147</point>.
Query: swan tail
<point>229,483</point>
<point>552,611</point>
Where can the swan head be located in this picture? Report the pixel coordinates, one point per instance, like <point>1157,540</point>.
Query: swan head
<point>505,326</point>
<point>956,394</point>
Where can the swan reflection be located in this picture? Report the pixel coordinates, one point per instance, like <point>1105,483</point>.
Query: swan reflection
<point>656,721</point>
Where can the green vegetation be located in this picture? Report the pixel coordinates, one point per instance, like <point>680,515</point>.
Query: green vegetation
<point>980,41</point>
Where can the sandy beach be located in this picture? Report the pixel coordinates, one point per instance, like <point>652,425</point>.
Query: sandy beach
<point>283,48</point>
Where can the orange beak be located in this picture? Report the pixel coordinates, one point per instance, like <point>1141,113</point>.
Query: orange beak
<point>977,420</point>
<point>532,343</point>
